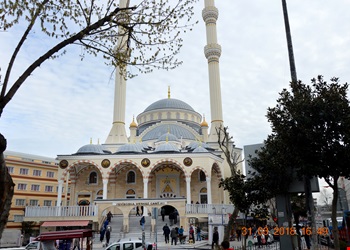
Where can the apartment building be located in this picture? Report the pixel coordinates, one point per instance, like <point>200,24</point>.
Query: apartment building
<point>36,185</point>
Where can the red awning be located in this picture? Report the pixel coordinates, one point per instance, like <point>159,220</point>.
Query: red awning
<point>66,223</point>
<point>66,234</point>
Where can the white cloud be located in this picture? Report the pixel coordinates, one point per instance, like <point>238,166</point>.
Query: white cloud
<point>67,100</point>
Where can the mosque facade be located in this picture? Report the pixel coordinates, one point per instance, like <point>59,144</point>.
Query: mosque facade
<point>171,157</point>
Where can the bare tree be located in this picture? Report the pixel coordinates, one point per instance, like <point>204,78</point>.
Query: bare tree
<point>146,36</point>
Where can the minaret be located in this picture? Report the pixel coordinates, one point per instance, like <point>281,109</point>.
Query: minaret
<point>118,135</point>
<point>212,52</point>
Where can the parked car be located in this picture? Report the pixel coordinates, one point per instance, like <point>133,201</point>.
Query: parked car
<point>129,244</point>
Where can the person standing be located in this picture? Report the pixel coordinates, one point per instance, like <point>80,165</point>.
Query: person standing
<point>142,222</point>
<point>239,234</point>
<point>171,218</point>
<point>108,236</point>
<point>166,233</point>
<point>173,235</point>
<point>198,233</point>
<point>215,238</point>
<point>162,213</point>
<point>191,234</point>
<point>138,211</point>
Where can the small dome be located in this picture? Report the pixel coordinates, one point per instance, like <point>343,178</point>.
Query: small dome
<point>204,123</point>
<point>196,144</point>
<point>129,148</point>
<point>200,149</point>
<point>133,123</point>
<point>166,147</point>
<point>93,149</point>
<point>167,137</point>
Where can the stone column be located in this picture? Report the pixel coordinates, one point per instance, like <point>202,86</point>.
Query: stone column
<point>105,184</point>
<point>188,190</point>
<point>208,179</point>
<point>59,193</point>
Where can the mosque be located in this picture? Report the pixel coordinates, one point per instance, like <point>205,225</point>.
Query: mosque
<point>170,159</point>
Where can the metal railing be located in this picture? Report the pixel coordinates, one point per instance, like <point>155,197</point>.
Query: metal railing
<point>209,208</point>
<point>68,211</point>
<point>81,211</point>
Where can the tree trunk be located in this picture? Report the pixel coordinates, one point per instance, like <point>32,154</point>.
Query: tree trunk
<point>230,224</point>
<point>6,187</point>
<point>335,230</point>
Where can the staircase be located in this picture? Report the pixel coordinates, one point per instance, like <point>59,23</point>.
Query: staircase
<point>135,230</point>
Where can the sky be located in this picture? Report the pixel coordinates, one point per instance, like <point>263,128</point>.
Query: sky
<point>68,101</point>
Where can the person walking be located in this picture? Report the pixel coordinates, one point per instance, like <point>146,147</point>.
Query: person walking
<point>142,222</point>
<point>173,235</point>
<point>109,216</point>
<point>162,213</point>
<point>215,238</point>
<point>102,233</point>
<point>76,243</point>
<point>166,233</point>
<point>108,236</point>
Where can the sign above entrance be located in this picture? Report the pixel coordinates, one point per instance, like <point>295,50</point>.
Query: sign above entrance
<point>144,203</point>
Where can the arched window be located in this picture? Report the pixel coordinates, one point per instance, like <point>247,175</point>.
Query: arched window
<point>99,194</point>
<point>93,178</point>
<point>202,176</point>
<point>131,178</point>
<point>130,194</point>
<point>203,196</point>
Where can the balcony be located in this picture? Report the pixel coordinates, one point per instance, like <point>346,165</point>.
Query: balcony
<point>90,212</point>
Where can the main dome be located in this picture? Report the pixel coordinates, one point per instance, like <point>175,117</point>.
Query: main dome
<point>168,103</point>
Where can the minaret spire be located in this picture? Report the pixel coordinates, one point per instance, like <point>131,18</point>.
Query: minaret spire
<point>118,135</point>
<point>212,52</point>
<point>168,92</point>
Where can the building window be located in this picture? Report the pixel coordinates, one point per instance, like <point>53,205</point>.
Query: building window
<point>159,116</point>
<point>50,174</point>
<point>168,115</point>
<point>93,178</point>
<point>47,203</point>
<point>202,176</point>
<point>130,177</point>
<point>20,202</point>
<point>186,116</point>
<point>57,189</point>
<point>49,189</point>
<point>130,194</point>
<point>35,187</point>
<point>203,196</point>
<point>36,172</point>
<point>22,186</point>
<point>10,170</point>
<point>33,203</point>
<point>178,116</point>
<point>23,171</point>
<point>18,218</point>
